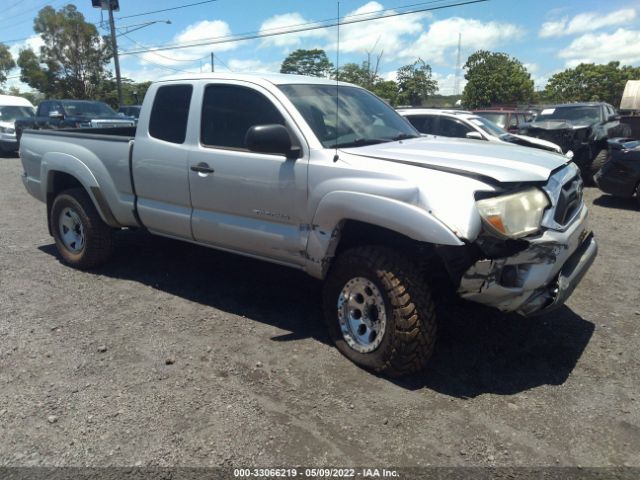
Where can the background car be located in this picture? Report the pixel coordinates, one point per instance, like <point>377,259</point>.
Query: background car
<point>512,120</point>
<point>620,174</point>
<point>463,124</point>
<point>583,128</point>
<point>11,109</point>
<point>56,114</point>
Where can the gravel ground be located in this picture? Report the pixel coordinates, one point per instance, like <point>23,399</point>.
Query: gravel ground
<point>179,355</point>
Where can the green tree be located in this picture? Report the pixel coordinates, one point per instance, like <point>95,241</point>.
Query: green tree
<point>72,61</point>
<point>6,63</point>
<point>132,93</point>
<point>307,62</point>
<point>387,90</point>
<point>495,78</point>
<point>415,83</point>
<point>591,82</point>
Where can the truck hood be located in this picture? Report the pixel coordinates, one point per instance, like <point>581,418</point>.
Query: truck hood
<point>557,125</point>
<point>488,161</point>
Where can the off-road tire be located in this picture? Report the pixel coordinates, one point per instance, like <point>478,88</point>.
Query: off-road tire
<point>598,161</point>
<point>409,337</point>
<point>98,243</point>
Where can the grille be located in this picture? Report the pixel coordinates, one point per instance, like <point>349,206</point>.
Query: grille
<point>569,201</point>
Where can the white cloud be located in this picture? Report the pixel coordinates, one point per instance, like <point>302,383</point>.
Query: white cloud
<point>447,83</point>
<point>188,57</point>
<point>586,22</point>
<point>255,66</point>
<point>439,43</point>
<point>34,42</point>
<point>620,45</point>
<point>388,35</point>
<point>553,29</point>
<point>285,22</point>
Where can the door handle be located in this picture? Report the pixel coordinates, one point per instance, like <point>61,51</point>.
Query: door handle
<point>202,167</point>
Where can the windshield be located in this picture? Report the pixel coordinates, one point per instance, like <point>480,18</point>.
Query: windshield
<point>577,114</point>
<point>363,118</point>
<point>11,114</point>
<point>88,109</point>
<point>500,119</point>
<point>488,126</point>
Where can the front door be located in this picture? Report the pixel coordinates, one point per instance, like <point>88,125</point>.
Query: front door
<point>245,201</point>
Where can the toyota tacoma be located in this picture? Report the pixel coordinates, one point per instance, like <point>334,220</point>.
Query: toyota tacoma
<point>329,179</point>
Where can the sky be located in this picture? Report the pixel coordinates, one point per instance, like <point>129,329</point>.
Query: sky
<point>547,36</point>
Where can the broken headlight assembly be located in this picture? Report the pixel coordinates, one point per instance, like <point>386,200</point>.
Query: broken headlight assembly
<point>514,215</point>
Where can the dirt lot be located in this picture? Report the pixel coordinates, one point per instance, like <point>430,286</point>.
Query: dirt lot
<point>179,355</point>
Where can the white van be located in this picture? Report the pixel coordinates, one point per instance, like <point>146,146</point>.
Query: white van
<point>11,109</point>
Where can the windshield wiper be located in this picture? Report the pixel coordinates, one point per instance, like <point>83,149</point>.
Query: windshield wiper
<point>360,142</point>
<point>404,136</point>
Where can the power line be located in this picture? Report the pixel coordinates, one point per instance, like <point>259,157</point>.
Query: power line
<point>163,56</point>
<point>168,9</point>
<point>30,10</point>
<point>345,21</point>
<point>316,22</point>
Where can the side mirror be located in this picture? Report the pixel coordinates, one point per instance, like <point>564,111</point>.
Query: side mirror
<point>474,136</point>
<point>613,118</point>
<point>55,114</point>
<point>273,138</point>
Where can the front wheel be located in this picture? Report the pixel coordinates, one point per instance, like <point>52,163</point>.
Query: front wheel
<point>599,160</point>
<point>83,240</point>
<point>379,311</point>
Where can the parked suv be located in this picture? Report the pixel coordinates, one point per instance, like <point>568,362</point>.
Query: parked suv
<point>462,124</point>
<point>583,128</point>
<point>12,108</point>
<point>265,166</point>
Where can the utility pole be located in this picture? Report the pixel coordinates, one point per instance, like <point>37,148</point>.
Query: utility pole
<point>213,57</point>
<point>113,5</point>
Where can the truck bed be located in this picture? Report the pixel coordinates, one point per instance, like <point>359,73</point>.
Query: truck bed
<point>98,157</point>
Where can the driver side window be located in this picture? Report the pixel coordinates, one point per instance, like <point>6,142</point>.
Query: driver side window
<point>229,111</point>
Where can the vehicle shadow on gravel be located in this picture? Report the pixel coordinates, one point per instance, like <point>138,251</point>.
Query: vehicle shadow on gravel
<point>479,350</point>
<point>619,203</point>
<point>268,293</point>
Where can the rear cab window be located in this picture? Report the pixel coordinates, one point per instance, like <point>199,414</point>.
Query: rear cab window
<point>170,113</point>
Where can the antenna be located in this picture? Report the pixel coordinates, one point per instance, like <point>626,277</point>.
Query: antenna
<point>335,157</point>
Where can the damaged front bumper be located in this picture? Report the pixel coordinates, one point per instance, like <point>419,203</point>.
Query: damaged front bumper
<point>537,279</point>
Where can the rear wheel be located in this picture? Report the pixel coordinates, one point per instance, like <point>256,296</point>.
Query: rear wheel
<point>83,240</point>
<point>379,311</point>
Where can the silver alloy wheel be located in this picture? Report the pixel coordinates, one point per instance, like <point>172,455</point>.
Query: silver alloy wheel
<point>71,230</point>
<point>362,314</point>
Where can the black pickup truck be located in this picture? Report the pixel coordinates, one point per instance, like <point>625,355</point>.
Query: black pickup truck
<point>583,128</point>
<point>57,114</point>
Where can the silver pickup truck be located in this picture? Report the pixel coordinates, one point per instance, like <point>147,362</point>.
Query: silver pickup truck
<point>329,179</point>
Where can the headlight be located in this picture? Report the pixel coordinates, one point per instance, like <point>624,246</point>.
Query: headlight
<point>8,130</point>
<point>515,215</point>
